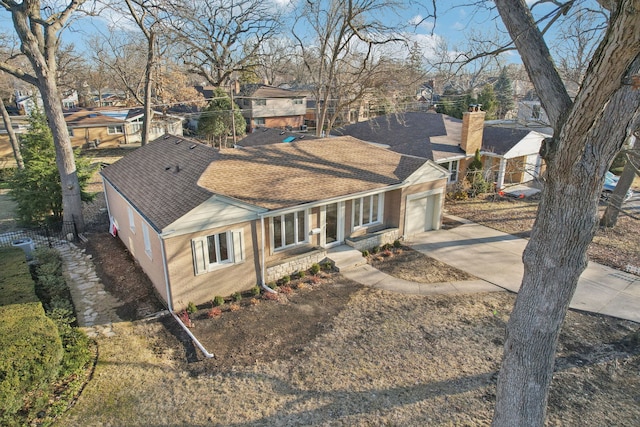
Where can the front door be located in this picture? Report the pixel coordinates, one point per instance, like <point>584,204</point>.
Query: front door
<point>333,224</point>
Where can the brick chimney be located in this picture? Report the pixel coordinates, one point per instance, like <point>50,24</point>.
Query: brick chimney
<point>472,129</point>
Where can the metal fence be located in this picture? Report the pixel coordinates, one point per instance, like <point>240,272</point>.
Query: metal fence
<point>45,235</point>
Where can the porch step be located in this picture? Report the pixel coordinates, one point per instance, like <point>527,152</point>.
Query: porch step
<point>346,257</point>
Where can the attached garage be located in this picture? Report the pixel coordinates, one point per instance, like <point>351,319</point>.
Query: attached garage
<point>423,212</point>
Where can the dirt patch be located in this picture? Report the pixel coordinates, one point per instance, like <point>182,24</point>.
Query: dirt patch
<point>122,277</point>
<point>264,330</point>
<point>408,264</point>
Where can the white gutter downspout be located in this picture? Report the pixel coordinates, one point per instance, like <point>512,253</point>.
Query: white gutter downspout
<point>170,305</point>
<point>262,258</point>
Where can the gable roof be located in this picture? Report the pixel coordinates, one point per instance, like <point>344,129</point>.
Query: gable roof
<point>87,118</point>
<point>499,140</point>
<point>265,91</point>
<point>286,175</point>
<point>410,133</point>
<point>267,136</point>
<point>160,178</point>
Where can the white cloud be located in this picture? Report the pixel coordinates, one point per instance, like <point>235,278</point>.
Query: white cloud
<point>422,23</point>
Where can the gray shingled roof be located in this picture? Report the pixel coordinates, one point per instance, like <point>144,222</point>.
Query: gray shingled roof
<point>286,175</point>
<point>499,140</point>
<point>399,131</point>
<point>265,91</point>
<point>267,136</point>
<point>160,179</point>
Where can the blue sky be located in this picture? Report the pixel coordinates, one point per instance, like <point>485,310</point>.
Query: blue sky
<point>454,23</point>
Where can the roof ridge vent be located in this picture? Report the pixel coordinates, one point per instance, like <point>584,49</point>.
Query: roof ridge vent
<point>167,136</point>
<point>191,147</point>
<point>178,141</point>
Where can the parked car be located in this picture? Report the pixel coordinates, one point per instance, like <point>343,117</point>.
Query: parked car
<point>610,182</point>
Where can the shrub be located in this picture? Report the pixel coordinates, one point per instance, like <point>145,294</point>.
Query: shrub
<point>53,267</point>
<point>285,279</point>
<point>50,286</point>
<point>314,280</point>
<point>286,290</point>
<point>214,312</point>
<point>184,318</point>
<point>271,296</point>
<point>30,355</point>
<point>387,253</point>
<point>327,265</point>
<point>191,308</point>
<point>255,291</point>
<point>254,301</point>
<point>301,274</point>
<point>301,285</point>
<point>46,255</point>
<point>218,301</point>
<point>315,268</point>
<point>375,250</point>
<point>272,285</point>
<point>397,244</point>
<point>365,253</point>
<point>236,296</point>
<point>234,307</point>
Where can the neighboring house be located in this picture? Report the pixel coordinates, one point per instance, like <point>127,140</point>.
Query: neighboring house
<point>89,128</point>
<point>110,128</point>
<point>20,125</point>
<point>272,107</point>
<point>451,143</point>
<point>531,113</point>
<point>203,222</point>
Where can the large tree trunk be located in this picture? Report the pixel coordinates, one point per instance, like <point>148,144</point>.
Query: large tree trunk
<point>65,159</point>
<point>13,139</point>
<point>587,136</point>
<point>39,45</point>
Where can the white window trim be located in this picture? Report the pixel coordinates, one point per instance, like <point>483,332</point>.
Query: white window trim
<point>380,218</point>
<point>200,250</point>
<point>113,130</point>
<point>450,169</point>
<point>132,223</point>
<point>147,241</point>
<point>296,238</point>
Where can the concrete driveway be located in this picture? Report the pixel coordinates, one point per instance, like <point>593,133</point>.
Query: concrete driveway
<point>496,257</point>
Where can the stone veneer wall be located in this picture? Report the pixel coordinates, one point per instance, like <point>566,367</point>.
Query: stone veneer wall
<point>298,263</point>
<point>369,241</point>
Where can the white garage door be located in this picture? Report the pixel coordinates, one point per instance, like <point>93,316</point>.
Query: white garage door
<point>421,213</point>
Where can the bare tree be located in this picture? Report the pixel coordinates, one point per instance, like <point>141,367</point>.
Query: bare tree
<point>589,131</point>
<point>226,37</point>
<point>38,29</point>
<point>338,41</point>
<point>118,52</point>
<point>577,39</point>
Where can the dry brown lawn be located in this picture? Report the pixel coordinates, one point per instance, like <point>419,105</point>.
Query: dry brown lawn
<point>334,353</point>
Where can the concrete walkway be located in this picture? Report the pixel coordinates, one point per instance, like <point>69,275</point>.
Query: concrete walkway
<point>495,258</point>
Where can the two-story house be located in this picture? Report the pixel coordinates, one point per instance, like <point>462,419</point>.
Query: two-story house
<point>272,107</point>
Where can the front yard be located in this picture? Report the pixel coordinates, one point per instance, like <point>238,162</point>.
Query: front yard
<point>336,353</point>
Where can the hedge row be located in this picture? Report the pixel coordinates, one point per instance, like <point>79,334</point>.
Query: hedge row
<point>39,345</point>
<point>30,346</point>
